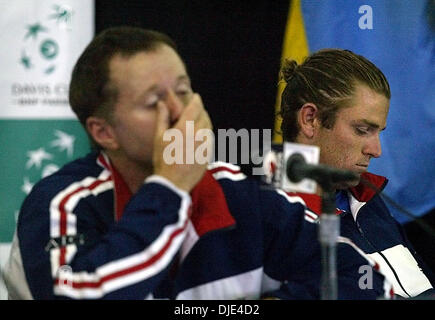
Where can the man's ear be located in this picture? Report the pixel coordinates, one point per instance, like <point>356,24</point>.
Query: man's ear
<point>308,120</point>
<point>102,132</point>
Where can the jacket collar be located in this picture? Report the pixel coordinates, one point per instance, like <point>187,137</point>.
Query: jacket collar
<point>368,187</point>
<point>209,206</point>
<point>363,192</point>
<point>122,193</point>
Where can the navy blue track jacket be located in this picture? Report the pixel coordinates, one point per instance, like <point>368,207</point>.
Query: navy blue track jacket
<point>366,220</point>
<point>81,234</point>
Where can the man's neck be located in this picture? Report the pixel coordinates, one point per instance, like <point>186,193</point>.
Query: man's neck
<point>133,173</point>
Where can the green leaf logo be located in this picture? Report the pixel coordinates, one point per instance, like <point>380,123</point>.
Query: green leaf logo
<point>62,14</point>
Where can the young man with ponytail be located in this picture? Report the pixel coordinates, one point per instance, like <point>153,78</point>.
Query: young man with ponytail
<point>339,101</point>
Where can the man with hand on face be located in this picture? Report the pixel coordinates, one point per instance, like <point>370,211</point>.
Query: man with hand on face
<point>339,101</point>
<point>123,223</point>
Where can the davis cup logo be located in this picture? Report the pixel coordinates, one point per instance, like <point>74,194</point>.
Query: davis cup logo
<point>40,47</point>
<point>44,47</point>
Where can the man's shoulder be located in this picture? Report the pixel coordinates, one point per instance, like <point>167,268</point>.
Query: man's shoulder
<point>240,187</point>
<point>236,182</point>
<point>225,170</point>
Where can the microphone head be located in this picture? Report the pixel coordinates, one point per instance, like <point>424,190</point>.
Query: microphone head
<point>293,167</point>
<point>298,169</point>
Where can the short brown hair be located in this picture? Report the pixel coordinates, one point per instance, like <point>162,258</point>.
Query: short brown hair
<point>91,92</point>
<point>326,78</point>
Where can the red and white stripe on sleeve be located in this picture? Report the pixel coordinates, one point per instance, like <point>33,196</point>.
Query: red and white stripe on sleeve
<point>114,274</point>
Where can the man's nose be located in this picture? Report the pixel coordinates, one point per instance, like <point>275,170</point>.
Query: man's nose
<point>373,147</point>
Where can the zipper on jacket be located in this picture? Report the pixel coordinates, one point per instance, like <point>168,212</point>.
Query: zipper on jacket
<point>383,257</point>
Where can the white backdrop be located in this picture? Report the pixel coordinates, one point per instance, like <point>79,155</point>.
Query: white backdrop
<point>41,41</point>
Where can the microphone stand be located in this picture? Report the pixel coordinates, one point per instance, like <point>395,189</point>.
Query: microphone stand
<point>329,230</point>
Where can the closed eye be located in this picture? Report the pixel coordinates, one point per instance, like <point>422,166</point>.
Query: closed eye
<point>151,103</point>
<point>183,92</point>
<point>363,130</point>
<point>183,89</point>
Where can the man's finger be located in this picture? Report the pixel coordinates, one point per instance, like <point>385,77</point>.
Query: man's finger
<point>175,106</point>
<point>162,118</point>
<point>193,110</point>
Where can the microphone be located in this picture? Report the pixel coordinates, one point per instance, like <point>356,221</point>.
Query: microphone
<point>298,169</point>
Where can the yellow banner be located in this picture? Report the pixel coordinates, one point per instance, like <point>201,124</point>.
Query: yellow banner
<point>295,46</point>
